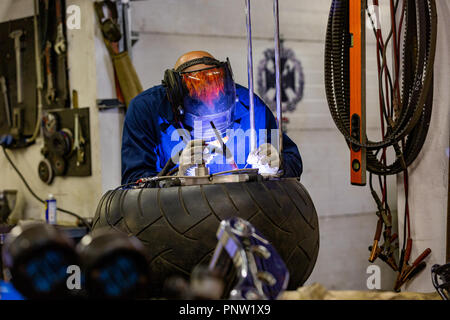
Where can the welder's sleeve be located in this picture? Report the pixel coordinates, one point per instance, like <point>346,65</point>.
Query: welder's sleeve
<point>292,161</point>
<point>139,141</point>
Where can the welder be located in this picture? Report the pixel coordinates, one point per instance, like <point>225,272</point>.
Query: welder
<point>196,113</point>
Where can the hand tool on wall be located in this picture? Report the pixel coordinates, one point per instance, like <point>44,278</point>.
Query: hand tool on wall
<point>127,79</point>
<point>61,78</point>
<point>4,89</point>
<point>50,96</point>
<point>39,75</point>
<point>60,48</point>
<point>60,42</point>
<point>16,35</point>
<point>79,141</point>
<point>17,110</point>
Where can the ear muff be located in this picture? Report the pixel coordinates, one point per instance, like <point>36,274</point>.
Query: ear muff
<point>229,68</point>
<point>174,87</point>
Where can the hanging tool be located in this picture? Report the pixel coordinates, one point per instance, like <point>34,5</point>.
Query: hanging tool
<point>127,81</point>
<point>16,35</point>
<point>79,141</point>
<point>4,89</point>
<point>48,63</point>
<point>357,62</point>
<point>61,74</point>
<point>60,42</point>
<point>17,111</point>
<point>39,82</point>
<point>61,58</point>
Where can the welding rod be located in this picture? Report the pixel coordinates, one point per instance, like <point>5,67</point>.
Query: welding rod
<point>250,76</point>
<point>278,79</point>
<point>228,154</point>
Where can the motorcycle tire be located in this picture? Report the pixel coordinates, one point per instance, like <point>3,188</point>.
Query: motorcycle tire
<point>178,224</point>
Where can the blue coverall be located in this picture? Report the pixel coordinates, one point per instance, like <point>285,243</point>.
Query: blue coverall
<point>148,135</point>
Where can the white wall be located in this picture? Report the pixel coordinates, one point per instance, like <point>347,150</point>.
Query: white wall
<point>168,28</point>
<point>78,194</point>
<point>428,175</point>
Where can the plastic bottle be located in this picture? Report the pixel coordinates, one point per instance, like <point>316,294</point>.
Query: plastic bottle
<point>50,209</point>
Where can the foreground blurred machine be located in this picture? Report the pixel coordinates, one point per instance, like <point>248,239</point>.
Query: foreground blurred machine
<point>261,273</point>
<point>36,258</point>
<point>41,262</point>
<point>440,275</point>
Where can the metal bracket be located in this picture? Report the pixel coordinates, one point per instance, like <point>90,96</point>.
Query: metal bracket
<point>107,104</point>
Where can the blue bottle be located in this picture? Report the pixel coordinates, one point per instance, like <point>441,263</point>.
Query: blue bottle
<point>50,209</point>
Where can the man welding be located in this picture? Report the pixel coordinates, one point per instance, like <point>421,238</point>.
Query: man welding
<point>199,115</point>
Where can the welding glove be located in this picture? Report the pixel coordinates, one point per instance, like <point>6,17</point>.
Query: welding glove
<point>195,152</point>
<point>266,158</point>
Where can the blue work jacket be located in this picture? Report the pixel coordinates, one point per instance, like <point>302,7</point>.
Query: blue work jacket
<point>150,135</point>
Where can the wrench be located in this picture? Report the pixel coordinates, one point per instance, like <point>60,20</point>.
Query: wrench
<point>60,42</point>
<point>6,101</point>
<point>16,34</point>
<point>50,86</point>
<point>78,139</point>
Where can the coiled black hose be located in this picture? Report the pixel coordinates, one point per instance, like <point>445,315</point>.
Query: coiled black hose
<point>413,118</point>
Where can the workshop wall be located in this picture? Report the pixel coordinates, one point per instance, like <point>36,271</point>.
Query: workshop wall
<point>78,194</point>
<point>169,28</point>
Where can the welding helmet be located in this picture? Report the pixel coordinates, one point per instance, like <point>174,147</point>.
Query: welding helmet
<point>203,96</point>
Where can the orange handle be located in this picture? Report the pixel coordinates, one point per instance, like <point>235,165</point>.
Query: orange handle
<point>407,251</point>
<point>422,257</point>
<point>48,57</point>
<point>378,231</point>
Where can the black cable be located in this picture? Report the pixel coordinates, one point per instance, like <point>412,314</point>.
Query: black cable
<point>110,198</point>
<point>37,197</point>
